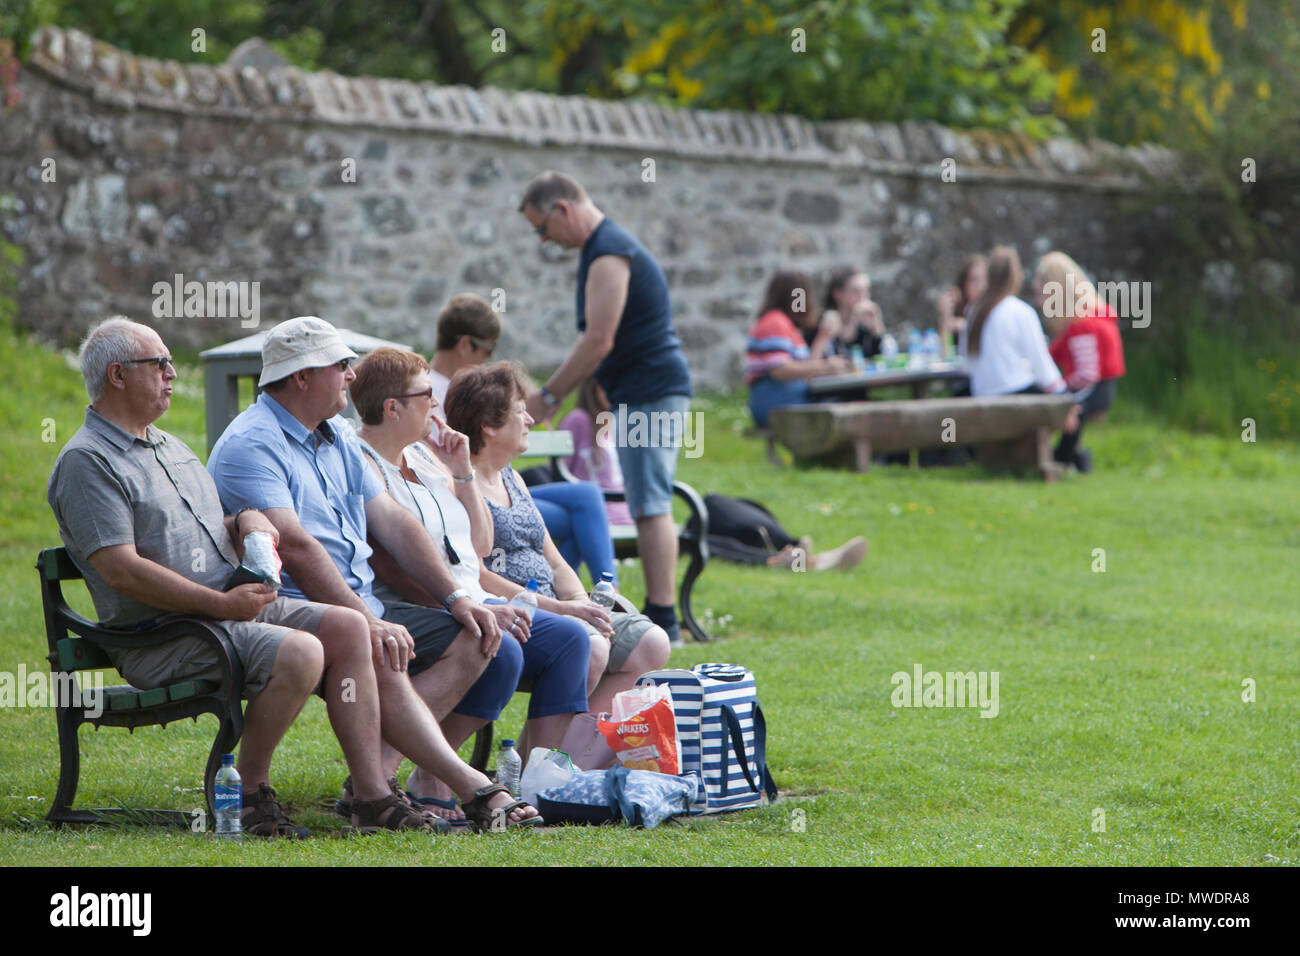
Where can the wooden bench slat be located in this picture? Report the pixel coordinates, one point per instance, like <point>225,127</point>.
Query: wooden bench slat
<point>79,654</point>
<point>122,698</point>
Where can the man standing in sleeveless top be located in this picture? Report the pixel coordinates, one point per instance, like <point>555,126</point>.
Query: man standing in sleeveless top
<point>626,339</point>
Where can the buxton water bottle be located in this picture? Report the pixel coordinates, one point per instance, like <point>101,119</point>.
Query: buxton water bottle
<point>229,800</point>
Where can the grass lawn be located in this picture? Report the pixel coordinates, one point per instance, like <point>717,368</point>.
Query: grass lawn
<point>1119,691</point>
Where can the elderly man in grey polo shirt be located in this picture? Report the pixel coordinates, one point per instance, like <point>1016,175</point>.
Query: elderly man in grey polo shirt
<point>140,516</point>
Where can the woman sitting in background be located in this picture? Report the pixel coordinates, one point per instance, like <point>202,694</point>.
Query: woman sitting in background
<point>849,318</point>
<point>487,404</point>
<point>1004,340</point>
<point>777,362</point>
<point>956,300</point>
<point>1085,344</point>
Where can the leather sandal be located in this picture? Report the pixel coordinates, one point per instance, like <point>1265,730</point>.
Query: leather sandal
<point>482,816</point>
<point>391,813</point>
<point>268,818</point>
<point>343,805</point>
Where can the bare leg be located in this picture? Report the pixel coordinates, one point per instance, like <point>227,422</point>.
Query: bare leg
<point>294,675</point>
<point>599,661</point>
<point>441,687</point>
<point>411,729</point>
<point>353,707</point>
<point>656,539</point>
<point>650,654</point>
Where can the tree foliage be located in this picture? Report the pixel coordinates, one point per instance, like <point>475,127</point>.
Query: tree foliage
<point>1171,70</point>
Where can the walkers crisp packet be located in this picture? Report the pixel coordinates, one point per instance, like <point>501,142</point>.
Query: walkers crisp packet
<point>642,730</point>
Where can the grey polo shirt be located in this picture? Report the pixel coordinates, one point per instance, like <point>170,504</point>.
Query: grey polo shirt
<point>110,488</point>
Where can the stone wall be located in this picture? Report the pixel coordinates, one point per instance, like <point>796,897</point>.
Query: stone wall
<point>226,174</point>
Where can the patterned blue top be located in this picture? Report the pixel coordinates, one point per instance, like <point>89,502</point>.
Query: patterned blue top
<point>518,537</point>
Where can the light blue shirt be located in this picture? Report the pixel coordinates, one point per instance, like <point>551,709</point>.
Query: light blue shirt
<point>266,458</point>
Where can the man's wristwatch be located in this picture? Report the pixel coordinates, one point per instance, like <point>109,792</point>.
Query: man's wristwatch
<point>549,400</point>
<point>454,596</point>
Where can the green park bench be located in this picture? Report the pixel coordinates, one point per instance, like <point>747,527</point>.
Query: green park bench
<point>77,644</point>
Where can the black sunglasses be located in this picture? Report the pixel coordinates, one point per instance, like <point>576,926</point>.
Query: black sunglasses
<point>162,361</point>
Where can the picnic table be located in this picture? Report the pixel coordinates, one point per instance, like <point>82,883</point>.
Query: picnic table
<point>851,385</point>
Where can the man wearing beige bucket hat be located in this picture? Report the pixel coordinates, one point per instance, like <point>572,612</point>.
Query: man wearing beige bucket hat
<point>291,456</point>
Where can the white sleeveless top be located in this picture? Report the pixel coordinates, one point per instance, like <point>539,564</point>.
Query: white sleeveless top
<point>424,498</point>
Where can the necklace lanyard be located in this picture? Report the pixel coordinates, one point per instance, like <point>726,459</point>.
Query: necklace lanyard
<point>452,556</point>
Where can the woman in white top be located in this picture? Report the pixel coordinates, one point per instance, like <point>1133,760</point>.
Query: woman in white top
<point>1004,341</point>
<point>552,656</point>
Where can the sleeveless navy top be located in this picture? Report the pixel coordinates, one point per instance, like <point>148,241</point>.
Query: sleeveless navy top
<point>646,362</point>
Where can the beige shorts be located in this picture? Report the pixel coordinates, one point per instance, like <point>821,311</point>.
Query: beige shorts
<point>628,631</point>
<point>257,642</point>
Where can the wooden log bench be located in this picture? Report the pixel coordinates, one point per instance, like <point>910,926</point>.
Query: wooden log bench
<point>1011,431</point>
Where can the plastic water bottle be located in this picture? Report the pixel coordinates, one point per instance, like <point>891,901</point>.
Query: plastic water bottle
<point>229,800</point>
<point>527,598</point>
<point>888,347</point>
<point>603,592</point>
<point>915,358</point>
<point>859,360</point>
<point>932,347</point>
<point>509,766</point>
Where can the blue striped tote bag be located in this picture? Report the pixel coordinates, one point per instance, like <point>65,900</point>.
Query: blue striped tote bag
<point>722,734</point>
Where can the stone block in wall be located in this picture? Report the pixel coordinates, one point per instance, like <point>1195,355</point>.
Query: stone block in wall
<point>96,208</point>
<point>388,215</point>
<point>805,206</point>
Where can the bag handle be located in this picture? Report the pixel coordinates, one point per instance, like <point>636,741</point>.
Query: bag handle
<point>738,745</point>
<point>760,752</point>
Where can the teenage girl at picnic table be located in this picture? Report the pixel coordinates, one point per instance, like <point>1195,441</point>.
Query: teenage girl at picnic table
<point>849,318</point>
<point>1085,344</point>
<point>1004,342</point>
<point>955,301</point>
<point>778,360</point>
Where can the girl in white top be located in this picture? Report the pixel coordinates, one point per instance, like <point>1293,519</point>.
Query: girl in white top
<point>1004,341</point>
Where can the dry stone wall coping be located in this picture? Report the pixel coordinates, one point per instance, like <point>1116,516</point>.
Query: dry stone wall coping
<point>123,80</point>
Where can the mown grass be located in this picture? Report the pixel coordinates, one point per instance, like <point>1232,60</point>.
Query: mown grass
<point>1119,691</point>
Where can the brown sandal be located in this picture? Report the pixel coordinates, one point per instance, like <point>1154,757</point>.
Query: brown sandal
<point>391,812</point>
<point>343,805</point>
<point>482,816</point>
<point>268,818</point>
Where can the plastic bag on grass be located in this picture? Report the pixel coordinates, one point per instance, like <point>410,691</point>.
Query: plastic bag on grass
<point>546,769</point>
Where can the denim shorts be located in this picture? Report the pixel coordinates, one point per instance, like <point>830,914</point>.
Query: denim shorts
<point>648,438</point>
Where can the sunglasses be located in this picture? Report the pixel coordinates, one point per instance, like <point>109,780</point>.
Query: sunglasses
<point>162,361</point>
<point>427,393</point>
<point>486,347</point>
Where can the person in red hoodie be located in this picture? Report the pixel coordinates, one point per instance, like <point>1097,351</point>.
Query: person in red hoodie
<point>1085,345</point>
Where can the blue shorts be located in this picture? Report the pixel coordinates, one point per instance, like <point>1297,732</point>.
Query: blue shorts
<point>551,666</point>
<point>648,438</point>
